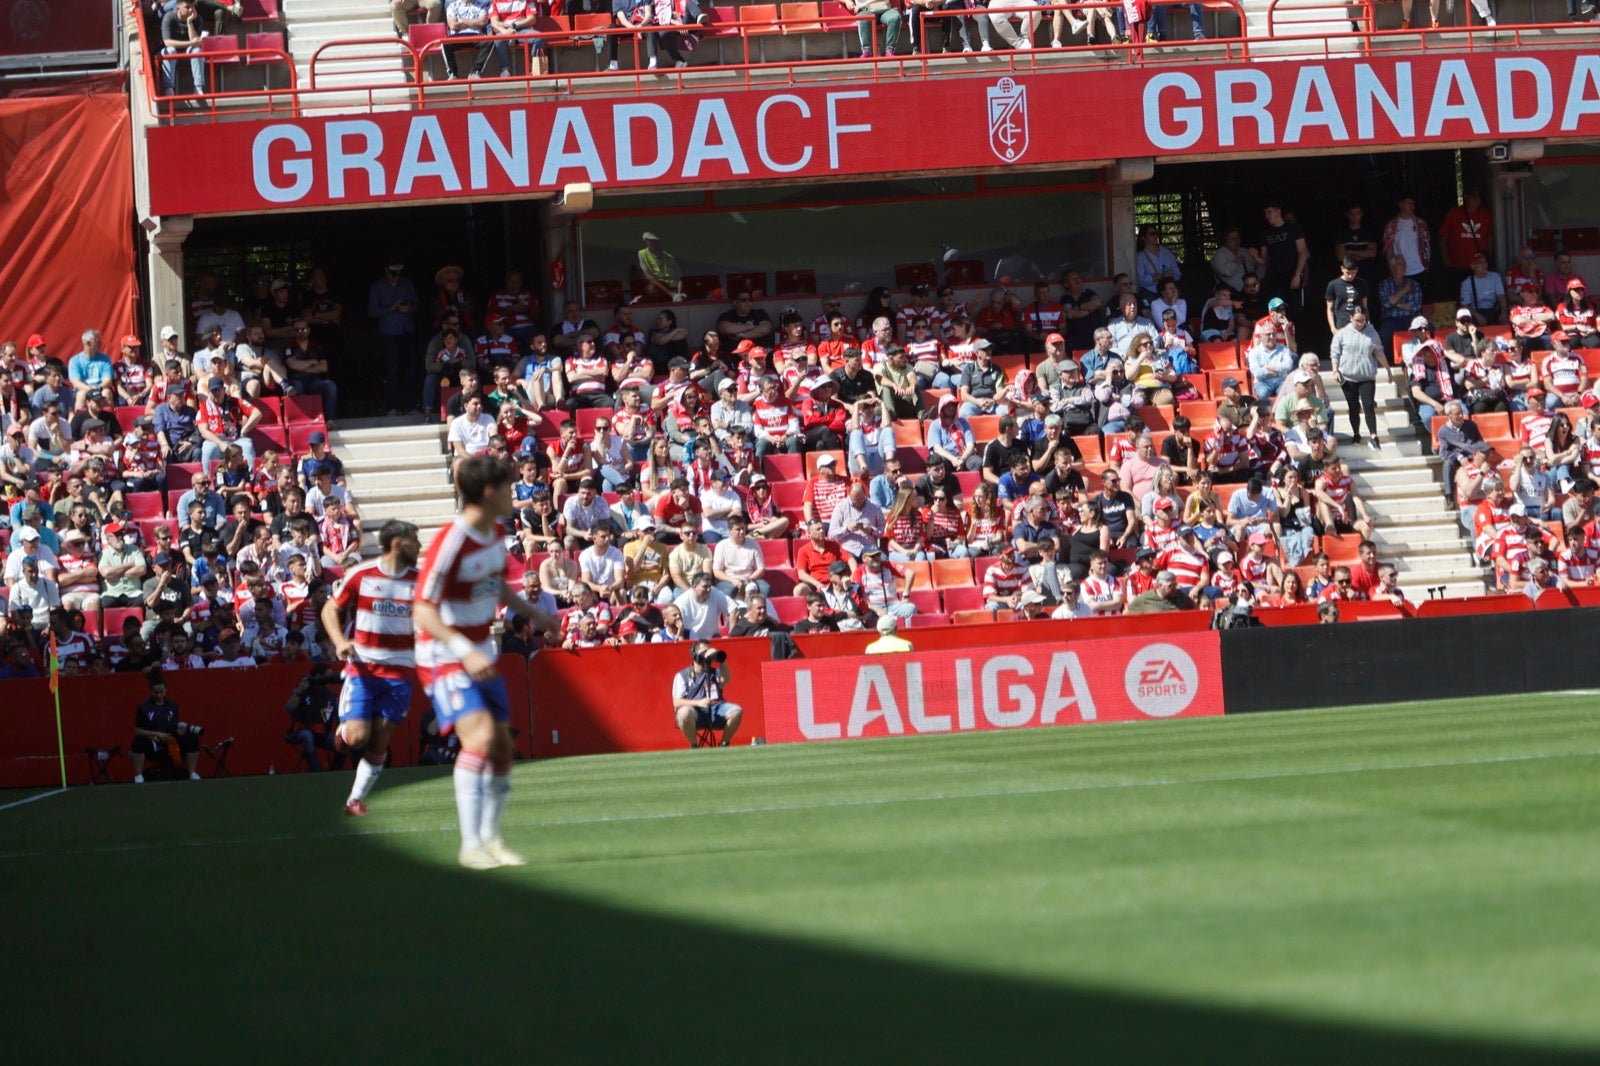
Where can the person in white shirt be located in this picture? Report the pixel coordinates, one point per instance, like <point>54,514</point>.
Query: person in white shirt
<point>706,611</point>
<point>856,523</point>
<point>469,432</point>
<point>35,592</point>
<point>29,547</point>
<point>737,563</point>
<point>221,317</point>
<point>719,503</point>
<point>730,411</point>
<point>601,566</point>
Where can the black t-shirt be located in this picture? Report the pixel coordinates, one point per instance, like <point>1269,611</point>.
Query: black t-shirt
<point>1115,511</point>
<point>113,425</point>
<point>824,625</point>
<point>1347,298</point>
<point>926,486</point>
<point>754,317</point>
<point>189,538</point>
<point>1360,240</point>
<point>1310,469</point>
<point>1079,332</point>
<point>998,455</point>
<point>175,595</point>
<point>1460,344</point>
<point>1068,445</point>
<point>1282,254</point>
<point>852,389</point>
<point>1178,454</point>
<point>746,628</point>
<point>1054,482</point>
<point>1253,308</point>
<point>157,717</point>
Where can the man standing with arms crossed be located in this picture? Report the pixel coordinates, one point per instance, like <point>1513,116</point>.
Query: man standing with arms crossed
<point>379,658</point>
<point>460,588</point>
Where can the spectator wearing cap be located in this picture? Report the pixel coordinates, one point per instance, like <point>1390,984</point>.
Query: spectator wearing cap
<point>823,419</point>
<point>78,579</point>
<point>318,453</point>
<point>223,421</point>
<point>1006,581</point>
<point>889,641</point>
<point>767,521</point>
<point>706,611</point>
<point>33,592</point>
<point>1576,316</point>
<point>951,438</point>
<point>1483,292</point>
<point>856,523</point>
<point>1431,383</point>
<point>176,427</point>
<point>134,373</point>
<point>1563,373</point>
<point>659,269</point>
<point>121,567</point>
<point>28,543</point>
<point>90,369</point>
<point>729,412</point>
<point>166,595</point>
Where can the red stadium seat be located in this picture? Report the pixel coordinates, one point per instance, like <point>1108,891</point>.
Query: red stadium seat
<point>926,600</point>
<point>921,574</point>
<point>782,580</point>
<point>923,621</point>
<point>975,618</point>
<point>980,567</point>
<point>951,573</point>
<point>1156,418</point>
<point>269,435</point>
<point>968,480</point>
<point>145,505</point>
<point>908,432</point>
<point>909,274</point>
<point>912,460</point>
<point>787,609</point>
<point>112,618</point>
<point>796,282</point>
<point>1202,414</point>
<point>1217,355</point>
<point>756,284</point>
<point>789,495</point>
<point>271,409</point>
<point>302,408</point>
<point>985,428</point>
<point>780,466</point>
<point>774,552</point>
<point>700,286</point>
<point>179,477</point>
<point>965,598</point>
<point>300,436</point>
<point>586,417</point>
<point>964,272</point>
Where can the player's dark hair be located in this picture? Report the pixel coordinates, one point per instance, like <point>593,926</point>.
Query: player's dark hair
<point>394,530</point>
<point>477,474</point>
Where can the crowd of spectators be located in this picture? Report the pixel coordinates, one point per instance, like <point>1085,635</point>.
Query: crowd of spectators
<point>143,525</point>
<point>675,487</point>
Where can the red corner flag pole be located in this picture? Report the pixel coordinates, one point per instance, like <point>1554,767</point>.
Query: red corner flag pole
<point>55,690</point>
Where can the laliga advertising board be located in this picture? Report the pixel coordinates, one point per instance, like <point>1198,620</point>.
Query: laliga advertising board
<point>1120,679</point>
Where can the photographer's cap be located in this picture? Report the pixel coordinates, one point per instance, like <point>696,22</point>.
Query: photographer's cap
<point>887,625</point>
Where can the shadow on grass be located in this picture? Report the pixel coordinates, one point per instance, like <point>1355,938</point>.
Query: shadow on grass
<point>349,950</point>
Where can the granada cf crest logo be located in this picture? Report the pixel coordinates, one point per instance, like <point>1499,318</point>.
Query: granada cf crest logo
<point>1008,120</point>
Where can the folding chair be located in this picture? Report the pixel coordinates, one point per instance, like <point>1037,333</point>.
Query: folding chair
<point>100,764</point>
<point>706,736</point>
<point>300,763</point>
<point>218,754</point>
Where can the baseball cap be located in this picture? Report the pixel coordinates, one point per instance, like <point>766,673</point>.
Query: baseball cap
<point>827,460</point>
<point>162,559</point>
<point>36,341</point>
<point>1259,538</point>
<point>1479,257</point>
<point>839,567</point>
<point>759,479</point>
<point>1224,556</point>
<point>1184,531</point>
<point>215,383</point>
<point>1163,504</point>
<point>648,236</point>
<point>169,333</point>
<point>92,423</point>
<point>1055,338</point>
<point>114,528</point>
<point>227,635</point>
<point>72,535</point>
<point>318,437</point>
<point>130,341</point>
<point>918,290</point>
<point>1032,596</point>
<point>980,344</point>
<point>15,429</point>
<point>1421,322</point>
<point>1518,509</point>
<point>678,363</point>
<point>1561,335</point>
<point>874,550</point>
<point>1230,382</point>
<point>27,533</point>
<point>1576,283</point>
<point>1275,303</point>
<point>279,283</point>
<point>1463,312</point>
<point>1144,553</point>
<point>1070,366</point>
<point>887,624</point>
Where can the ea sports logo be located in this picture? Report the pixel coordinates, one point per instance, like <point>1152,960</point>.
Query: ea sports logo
<point>1162,680</point>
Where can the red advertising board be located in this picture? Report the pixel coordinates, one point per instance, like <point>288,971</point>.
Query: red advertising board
<point>826,132</point>
<point>37,33</point>
<point>1121,679</point>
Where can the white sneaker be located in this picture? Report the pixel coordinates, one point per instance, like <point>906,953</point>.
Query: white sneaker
<point>986,47</point>
<point>1489,20</point>
<point>651,65</point>
<point>502,854</point>
<point>612,65</point>
<point>680,64</point>
<point>1055,42</point>
<point>193,776</point>
<point>477,858</point>
<point>138,779</point>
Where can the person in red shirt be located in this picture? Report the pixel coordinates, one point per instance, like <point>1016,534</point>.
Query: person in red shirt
<point>1042,317</point>
<point>997,323</point>
<point>1467,230</point>
<point>824,418</point>
<point>1342,589</point>
<point>1364,575</point>
<point>676,511</point>
<point>813,558</point>
<point>824,491</point>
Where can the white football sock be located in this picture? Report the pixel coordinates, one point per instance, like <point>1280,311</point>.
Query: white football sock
<point>497,789</point>
<point>470,767</point>
<point>367,772</point>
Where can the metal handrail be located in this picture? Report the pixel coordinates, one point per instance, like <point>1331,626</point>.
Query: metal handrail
<point>326,60</point>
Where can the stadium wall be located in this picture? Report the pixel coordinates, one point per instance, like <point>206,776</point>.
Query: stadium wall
<point>1297,667</point>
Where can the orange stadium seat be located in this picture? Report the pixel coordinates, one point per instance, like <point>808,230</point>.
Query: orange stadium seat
<point>951,573</point>
<point>908,433</point>
<point>781,466</point>
<point>963,598</point>
<point>1217,355</point>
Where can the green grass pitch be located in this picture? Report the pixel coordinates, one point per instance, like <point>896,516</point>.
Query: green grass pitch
<point>1413,883</point>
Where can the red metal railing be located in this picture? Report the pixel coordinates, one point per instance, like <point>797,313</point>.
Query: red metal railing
<point>339,61</point>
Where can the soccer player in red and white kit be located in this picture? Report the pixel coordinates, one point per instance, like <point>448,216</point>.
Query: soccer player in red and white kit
<point>378,659</point>
<point>459,591</point>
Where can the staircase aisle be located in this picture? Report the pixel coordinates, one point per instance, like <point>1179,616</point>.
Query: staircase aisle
<point>1414,527</point>
<point>395,470</point>
<point>310,24</point>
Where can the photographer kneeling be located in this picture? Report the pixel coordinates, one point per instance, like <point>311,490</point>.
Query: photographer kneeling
<point>157,730</point>
<point>697,695</point>
<point>311,708</point>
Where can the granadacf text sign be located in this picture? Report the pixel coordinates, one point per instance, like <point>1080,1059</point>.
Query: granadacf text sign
<point>825,132</point>
<point>1117,679</point>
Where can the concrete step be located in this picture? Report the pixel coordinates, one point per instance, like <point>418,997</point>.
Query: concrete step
<point>389,464</point>
<point>1418,519</point>
<point>388,484</point>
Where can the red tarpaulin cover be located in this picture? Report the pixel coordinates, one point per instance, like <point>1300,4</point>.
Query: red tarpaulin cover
<point>66,219</point>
